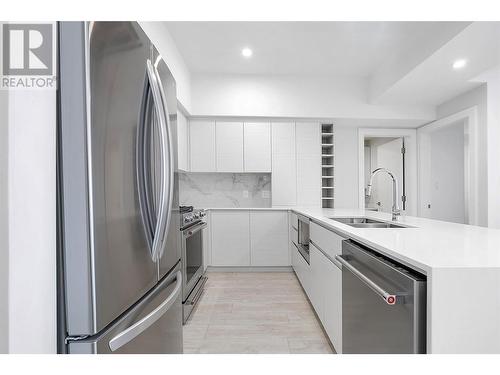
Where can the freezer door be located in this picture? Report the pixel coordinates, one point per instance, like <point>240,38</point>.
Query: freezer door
<point>153,326</point>
<point>106,101</point>
<point>172,251</point>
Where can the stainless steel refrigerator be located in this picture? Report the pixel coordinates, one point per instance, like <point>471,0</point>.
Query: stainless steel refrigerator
<point>119,258</point>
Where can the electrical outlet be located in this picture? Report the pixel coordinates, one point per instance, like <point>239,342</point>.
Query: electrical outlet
<point>245,193</point>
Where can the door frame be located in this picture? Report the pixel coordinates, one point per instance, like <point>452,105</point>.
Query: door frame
<point>469,116</point>
<point>410,136</point>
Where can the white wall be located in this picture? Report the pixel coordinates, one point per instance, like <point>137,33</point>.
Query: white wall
<point>32,221</point>
<point>292,96</point>
<point>4,232</point>
<point>492,79</point>
<point>160,36</point>
<point>476,97</point>
<point>346,167</point>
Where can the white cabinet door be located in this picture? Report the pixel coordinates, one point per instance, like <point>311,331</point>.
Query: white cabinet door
<point>332,315</point>
<point>284,165</point>
<point>308,180</point>
<point>317,280</point>
<point>229,141</point>
<point>230,238</point>
<point>257,146</point>
<point>182,142</point>
<point>329,242</point>
<point>202,146</point>
<point>308,145</point>
<point>269,238</point>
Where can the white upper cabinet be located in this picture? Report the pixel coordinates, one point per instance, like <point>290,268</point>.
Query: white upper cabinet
<point>182,142</point>
<point>308,145</point>
<point>257,146</point>
<point>284,164</point>
<point>202,146</point>
<point>269,238</point>
<point>229,141</point>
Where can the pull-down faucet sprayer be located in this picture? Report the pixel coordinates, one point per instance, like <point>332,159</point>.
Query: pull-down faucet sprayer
<point>395,195</point>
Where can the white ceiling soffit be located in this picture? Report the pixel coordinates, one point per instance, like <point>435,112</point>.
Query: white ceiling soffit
<point>379,123</point>
<point>303,48</point>
<point>434,80</point>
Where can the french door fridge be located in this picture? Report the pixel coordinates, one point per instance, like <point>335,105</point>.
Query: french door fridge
<point>120,285</point>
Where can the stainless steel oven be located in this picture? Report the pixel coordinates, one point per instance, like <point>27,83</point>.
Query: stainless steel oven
<point>303,237</point>
<point>192,229</point>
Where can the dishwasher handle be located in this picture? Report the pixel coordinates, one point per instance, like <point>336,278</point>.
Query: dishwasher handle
<point>390,299</point>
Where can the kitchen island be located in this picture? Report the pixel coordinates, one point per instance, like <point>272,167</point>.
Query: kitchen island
<point>462,266</point>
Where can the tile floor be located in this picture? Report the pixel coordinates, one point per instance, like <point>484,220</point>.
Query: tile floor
<point>254,313</point>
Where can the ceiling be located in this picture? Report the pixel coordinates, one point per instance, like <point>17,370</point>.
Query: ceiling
<point>302,48</point>
<point>433,81</point>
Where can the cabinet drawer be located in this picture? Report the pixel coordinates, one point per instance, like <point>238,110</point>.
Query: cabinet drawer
<point>328,241</point>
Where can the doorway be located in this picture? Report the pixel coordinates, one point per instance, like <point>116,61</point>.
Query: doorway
<point>393,149</point>
<point>447,168</point>
<point>388,153</point>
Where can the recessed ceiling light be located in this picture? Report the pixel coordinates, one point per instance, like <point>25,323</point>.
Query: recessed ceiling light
<point>246,52</point>
<point>459,64</point>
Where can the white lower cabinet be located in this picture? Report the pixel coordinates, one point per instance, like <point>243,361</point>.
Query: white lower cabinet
<point>243,238</point>
<point>303,272</point>
<point>325,294</point>
<point>269,238</point>
<point>230,238</point>
<point>332,309</point>
<point>318,287</point>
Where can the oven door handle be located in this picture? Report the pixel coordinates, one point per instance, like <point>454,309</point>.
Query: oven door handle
<point>190,231</point>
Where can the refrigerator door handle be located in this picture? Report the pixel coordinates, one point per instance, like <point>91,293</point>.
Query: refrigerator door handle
<point>163,215</point>
<point>169,152</point>
<point>136,329</point>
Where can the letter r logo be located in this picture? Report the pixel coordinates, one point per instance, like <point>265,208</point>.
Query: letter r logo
<point>27,49</point>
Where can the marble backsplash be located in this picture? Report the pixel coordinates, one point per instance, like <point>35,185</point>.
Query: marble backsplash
<point>225,190</point>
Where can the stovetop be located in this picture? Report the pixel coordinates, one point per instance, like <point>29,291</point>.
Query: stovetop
<point>191,215</point>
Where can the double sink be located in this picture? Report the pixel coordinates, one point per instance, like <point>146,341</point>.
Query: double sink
<point>364,222</point>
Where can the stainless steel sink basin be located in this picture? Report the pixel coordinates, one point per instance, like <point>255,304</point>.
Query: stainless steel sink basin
<point>364,222</point>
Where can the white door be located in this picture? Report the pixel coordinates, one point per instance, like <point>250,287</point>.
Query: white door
<point>284,164</point>
<point>443,165</point>
<point>257,146</point>
<point>230,238</point>
<point>202,146</point>
<point>269,238</point>
<point>229,144</point>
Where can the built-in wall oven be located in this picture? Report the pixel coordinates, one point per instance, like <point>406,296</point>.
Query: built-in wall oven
<point>303,237</point>
<point>193,224</point>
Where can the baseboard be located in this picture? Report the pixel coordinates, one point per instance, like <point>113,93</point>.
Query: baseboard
<point>249,269</point>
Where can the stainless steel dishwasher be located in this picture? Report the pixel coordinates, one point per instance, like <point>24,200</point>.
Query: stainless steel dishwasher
<point>383,304</point>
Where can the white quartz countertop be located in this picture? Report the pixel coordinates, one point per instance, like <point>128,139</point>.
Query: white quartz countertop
<point>428,245</point>
<point>248,208</point>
